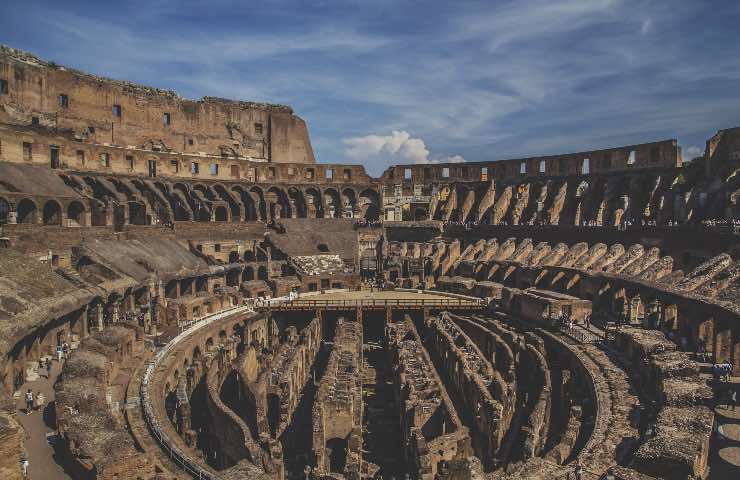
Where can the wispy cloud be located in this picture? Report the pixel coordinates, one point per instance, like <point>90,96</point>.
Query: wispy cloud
<point>482,80</point>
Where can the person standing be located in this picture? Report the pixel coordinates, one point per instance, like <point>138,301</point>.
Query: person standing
<point>29,401</point>
<point>48,368</point>
<point>733,399</point>
<point>579,471</point>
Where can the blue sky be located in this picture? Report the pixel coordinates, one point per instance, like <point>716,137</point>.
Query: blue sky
<point>386,82</point>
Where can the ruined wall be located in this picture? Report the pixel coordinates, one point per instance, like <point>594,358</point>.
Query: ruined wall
<point>337,408</point>
<point>665,153</point>
<point>99,110</point>
<point>433,433</point>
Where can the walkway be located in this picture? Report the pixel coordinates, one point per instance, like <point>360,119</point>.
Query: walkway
<point>373,299</point>
<point>40,436</point>
<point>724,459</point>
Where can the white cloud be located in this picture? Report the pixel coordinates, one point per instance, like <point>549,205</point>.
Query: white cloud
<point>398,147</point>
<point>692,152</point>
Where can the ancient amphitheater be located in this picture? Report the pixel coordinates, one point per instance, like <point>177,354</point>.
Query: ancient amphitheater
<point>195,297</point>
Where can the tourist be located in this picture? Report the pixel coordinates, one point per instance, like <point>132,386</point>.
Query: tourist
<point>702,352</point>
<point>587,321</point>
<point>733,399</point>
<point>48,367</point>
<point>65,350</point>
<point>24,467</point>
<point>59,353</point>
<point>609,475</point>
<point>29,401</point>
<point>39,401</point>
<point>579,471</point>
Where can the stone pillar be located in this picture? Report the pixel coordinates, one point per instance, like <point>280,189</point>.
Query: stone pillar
<point>670,315</point>
<point>99,308</point>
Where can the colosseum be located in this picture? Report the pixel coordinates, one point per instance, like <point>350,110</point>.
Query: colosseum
<point>186,293</point>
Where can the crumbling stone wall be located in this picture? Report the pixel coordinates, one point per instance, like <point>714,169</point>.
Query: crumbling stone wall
<point>433,433</point>
<point>337,408</point>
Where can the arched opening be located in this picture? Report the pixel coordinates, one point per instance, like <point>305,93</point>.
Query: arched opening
<point>4,211</point>
<point>314,204</point>
<point>52,213</point>
<point>420,214</point>
<point>250,211</point>
<point>277,203</point>
<point>249,256</point>
<point>202,212</point>
<point>76,214</point>
<point>248,274</point>
<point>299,202</point>
<point>201,284</point>
<point>322,247</point>
<point>370,205</point>
<point>262,273</point>
<point>226,196</point>
<point>332,203</point>
<point>258,199</point>
<point>137,213</point>
<point>232,278</point>
<point>349,203</point>
<point>233,256</point>
<point>222,214</point>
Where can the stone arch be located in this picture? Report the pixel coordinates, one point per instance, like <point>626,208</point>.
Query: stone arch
<point>52,213</point>
<point>226,196</point>
<point>278,205</point>
<point>332,202</point>
<point>369,204</point>
<point>262,273</point>
<point>232,278</point>
<point>249,256</point>
<point>221,214</point>
<point>4,211</point>
<point>259,201</point>
<point>299,202</point>
<point>250,209</point>
<point>137,213</point>
<point>182,203</point>
<point>234,256</point>
<point>248,274</point>
<point>349,201</point>
<point>76,213</point>
<point>314,203</point>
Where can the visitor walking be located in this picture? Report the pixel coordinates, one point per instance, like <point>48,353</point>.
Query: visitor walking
<point>29,401</point>
<point>48,367</point>
<point>733,399</point>
<point>65,350</point>
<point>24,467</point>
<point>578,471</point>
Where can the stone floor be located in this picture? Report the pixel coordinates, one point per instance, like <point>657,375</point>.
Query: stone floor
<point>724,460</point>
<point>40,434</point>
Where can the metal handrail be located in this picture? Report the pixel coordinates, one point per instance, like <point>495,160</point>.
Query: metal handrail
<point>365,302</point>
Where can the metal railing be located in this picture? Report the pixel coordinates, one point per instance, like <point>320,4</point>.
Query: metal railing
<point>179,457</point>
<point>370,302</point>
